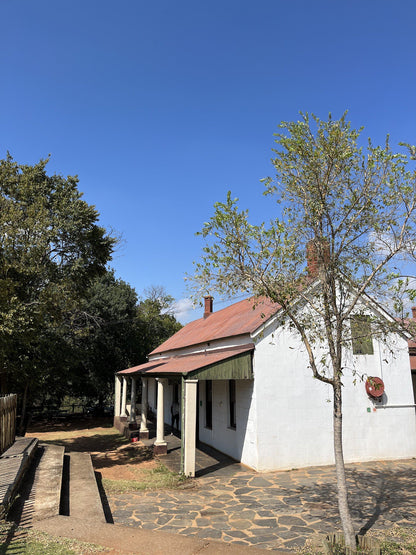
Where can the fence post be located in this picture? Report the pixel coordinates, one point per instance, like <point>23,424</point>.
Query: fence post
<point>8,405</point>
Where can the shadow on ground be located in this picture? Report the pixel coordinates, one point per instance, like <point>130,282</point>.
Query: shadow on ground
<point>68,424</point>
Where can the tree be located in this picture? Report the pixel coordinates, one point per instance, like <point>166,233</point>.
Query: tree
<point>355,210</point>
<point>50,252</point>
<point>107,338</point>
<point>116,331</point>
<point>157,323</point>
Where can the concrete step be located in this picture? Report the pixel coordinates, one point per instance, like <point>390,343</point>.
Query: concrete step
<point>48,482</point>
<point>14,464</point>
<point>40,494</point>
<point>84,497</point>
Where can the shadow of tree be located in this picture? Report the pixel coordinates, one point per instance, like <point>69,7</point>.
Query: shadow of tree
<point>12,540</point>
<point>128,455</point>
<point>69,424</point>
<point>376,494</point>
<point>377,497</point>
<point>106,450</point>
<point>90,443</point>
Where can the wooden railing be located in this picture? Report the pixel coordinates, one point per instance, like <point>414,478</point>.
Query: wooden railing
<point>7,421</point>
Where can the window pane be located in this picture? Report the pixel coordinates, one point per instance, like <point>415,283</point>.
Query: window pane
<point>231,403</point>
<point>362,341</point>
<point>208,404</point>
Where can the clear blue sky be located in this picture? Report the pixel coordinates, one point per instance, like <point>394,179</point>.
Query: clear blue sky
<point>161,107</point>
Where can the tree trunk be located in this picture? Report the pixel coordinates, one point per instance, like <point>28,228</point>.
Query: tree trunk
<point>22,423</point>
<point>344,509</point>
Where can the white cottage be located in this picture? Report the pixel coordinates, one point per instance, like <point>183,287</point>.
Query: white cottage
<point>244,386</point>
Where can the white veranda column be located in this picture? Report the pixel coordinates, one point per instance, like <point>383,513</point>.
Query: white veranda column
<point>117,396</point>
<point>190,427</point>
<point>144,431</point>
<point>160,445</point>
<point>124,397</point>
<point>133,424</point>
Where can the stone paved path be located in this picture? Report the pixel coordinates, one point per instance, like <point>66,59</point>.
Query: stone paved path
<point>277,510</point>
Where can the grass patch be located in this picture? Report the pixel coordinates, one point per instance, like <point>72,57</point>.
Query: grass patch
<point>396,540</point>
<point>14,540</point>
<point>145,479</point>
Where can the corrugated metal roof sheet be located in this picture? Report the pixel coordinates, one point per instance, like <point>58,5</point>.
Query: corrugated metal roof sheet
<point>238,319</point>
<point>141,367</point>
<point>187,363</point>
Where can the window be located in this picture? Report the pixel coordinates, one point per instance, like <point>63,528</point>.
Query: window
<point>208,404</point>
<point>176,393</point>
<point>361,338</point>
<point>231,403</point>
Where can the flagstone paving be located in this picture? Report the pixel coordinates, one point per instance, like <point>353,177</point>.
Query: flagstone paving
<point>276,510</point>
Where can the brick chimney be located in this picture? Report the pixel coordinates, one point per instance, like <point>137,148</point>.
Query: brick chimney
<point>414,312</point>
<point>208,305</point>
<point>313,256</point>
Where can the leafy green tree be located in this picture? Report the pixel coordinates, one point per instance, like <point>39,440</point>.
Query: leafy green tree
<point>156,320</point>
<point>51,250</point>
<point>356,210</point>
<point>106,339</point>
<point>116,331</point>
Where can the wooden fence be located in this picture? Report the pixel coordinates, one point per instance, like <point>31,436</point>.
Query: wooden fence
<point>7,421</point>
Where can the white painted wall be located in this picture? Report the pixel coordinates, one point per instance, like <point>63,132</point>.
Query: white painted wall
<point>294,417</point>
<point>284,416</point>
<point>240,442</point>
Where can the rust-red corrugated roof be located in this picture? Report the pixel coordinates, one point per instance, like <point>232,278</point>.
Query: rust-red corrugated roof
<point>187,363</point>
<point>141,367</point>
<point>237,319</point>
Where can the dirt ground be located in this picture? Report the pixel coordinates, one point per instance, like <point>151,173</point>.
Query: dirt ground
<point>112,455</point>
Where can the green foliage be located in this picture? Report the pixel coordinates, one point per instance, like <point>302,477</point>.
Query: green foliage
<point>66,323</point>
<point>156,321</point>
<point>117,331</point>
<point>51,249</point>
<point>15,540</point>
<point>51,245</point>
<point>355,209</point>
<point>354,212</point>
<point>106,338</point>
<point>395,540</point>
<point>156,478</point>
<point>110,330</point>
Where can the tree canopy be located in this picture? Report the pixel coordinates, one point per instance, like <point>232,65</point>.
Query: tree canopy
<point>117,330</point>
<point>354,208</point>
<point>67,324</point>
<point>51,249</point>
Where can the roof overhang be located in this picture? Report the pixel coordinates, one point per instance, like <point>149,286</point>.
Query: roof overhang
<point>221,364</point>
